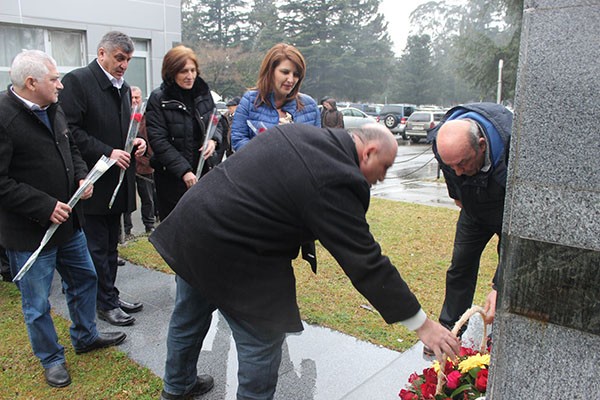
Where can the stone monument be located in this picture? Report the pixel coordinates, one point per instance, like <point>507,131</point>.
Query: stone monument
<point>547,329</point>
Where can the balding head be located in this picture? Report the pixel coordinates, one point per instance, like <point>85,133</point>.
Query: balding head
<point>136,96</point>
<point>461,147</point>
<point>376,148</point>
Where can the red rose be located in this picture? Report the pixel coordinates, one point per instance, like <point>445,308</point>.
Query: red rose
<point>413,377</point>
<point>428,390</point>
<point>481,380</point>
<point>137,117</point>
<point>449,367</point>
<point>467,351</point>
<point>430,375</point>
<point>453,379</point>
<point>406,395</point>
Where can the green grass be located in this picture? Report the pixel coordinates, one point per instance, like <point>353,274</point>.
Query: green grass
<point>418,240</point>
<point>104,374</point>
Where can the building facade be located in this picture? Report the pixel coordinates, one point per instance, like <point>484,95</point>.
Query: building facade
<point>71,30</point>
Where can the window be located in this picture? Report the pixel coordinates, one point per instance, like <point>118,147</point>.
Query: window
<point>138,70</point>
<point>66,47</point>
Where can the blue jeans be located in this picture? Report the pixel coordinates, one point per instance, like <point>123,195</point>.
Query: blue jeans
<point>259,351</point>
<point>73,263</point>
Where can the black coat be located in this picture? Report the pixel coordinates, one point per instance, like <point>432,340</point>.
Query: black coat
<point>99,116</point>
<point>37,168</point>
<point>235,233</point>
<point>176,134</point>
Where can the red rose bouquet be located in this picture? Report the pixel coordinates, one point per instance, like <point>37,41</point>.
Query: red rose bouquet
<point>464,378</point>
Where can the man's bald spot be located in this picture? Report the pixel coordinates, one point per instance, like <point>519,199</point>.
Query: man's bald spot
<point>453,139</point>
<point>374,132</point>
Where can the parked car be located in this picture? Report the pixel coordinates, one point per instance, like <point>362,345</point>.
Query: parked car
<point>221,107</point>
<point>394,116</point>
<point>373,110</point>
<point>420,122</point>
<point>353,117</point>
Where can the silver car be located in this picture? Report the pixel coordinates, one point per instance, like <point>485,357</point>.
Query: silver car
<point>353,117</point>
<point>420,122</point>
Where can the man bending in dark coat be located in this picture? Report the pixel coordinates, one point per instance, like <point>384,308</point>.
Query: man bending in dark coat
<point>232,237</point>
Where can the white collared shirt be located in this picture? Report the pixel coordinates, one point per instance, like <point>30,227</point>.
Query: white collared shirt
<point>31,105</point>
<point>118,83</point>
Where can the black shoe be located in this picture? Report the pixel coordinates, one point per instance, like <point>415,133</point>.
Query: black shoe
<point>120,262</point>
<point>57,376</point>
<point>149,229</point>
<point>116,316</point>
<point>130,307</point>
<point>204,383</point>
<point>6,276</point>
<point>103,340</point>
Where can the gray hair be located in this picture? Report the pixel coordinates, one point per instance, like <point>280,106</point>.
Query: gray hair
<point>373,132</point>
<point>32,63</point>
<point>114,40</point>
<point>474,133</point>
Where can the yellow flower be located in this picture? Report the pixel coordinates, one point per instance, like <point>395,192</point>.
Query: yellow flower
<point>478,360</point>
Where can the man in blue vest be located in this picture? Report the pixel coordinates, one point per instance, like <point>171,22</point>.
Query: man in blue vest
<point>471,145</point>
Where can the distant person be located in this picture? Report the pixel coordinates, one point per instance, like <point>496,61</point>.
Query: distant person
<point>40,170</point>
<point>471,145</point>
<point>177,117</point>
<point>144,179</point>
<point>226,148</point>
<point>314,186</point>
<point>97,103</point>
<point>331,117</point>
<point>276,99</point>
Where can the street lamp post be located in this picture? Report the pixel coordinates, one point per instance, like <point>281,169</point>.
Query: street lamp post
<point>499,93</point>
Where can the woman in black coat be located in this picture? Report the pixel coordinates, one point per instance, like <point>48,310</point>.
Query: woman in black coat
<point>177,118</point>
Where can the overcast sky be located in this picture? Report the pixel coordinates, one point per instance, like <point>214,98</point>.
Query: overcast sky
<point>397,14</point>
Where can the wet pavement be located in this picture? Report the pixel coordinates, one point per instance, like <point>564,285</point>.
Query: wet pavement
<point>414,178</point>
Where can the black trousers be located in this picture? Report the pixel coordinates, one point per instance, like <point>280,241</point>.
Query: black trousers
<point>145,189</point>
<point>4,265</point>
<point>102,233</point>
<point>461,278</point>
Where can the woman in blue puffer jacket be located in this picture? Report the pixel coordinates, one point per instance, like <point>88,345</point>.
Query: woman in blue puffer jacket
<point>276,98</point>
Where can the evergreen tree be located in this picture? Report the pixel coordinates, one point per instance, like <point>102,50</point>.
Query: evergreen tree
<point>263,26</point>
<point>218,22</point>
<point>416,83</point>
<point>345,43</point>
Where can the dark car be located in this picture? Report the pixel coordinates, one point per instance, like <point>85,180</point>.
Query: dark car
<point>394,117</point>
